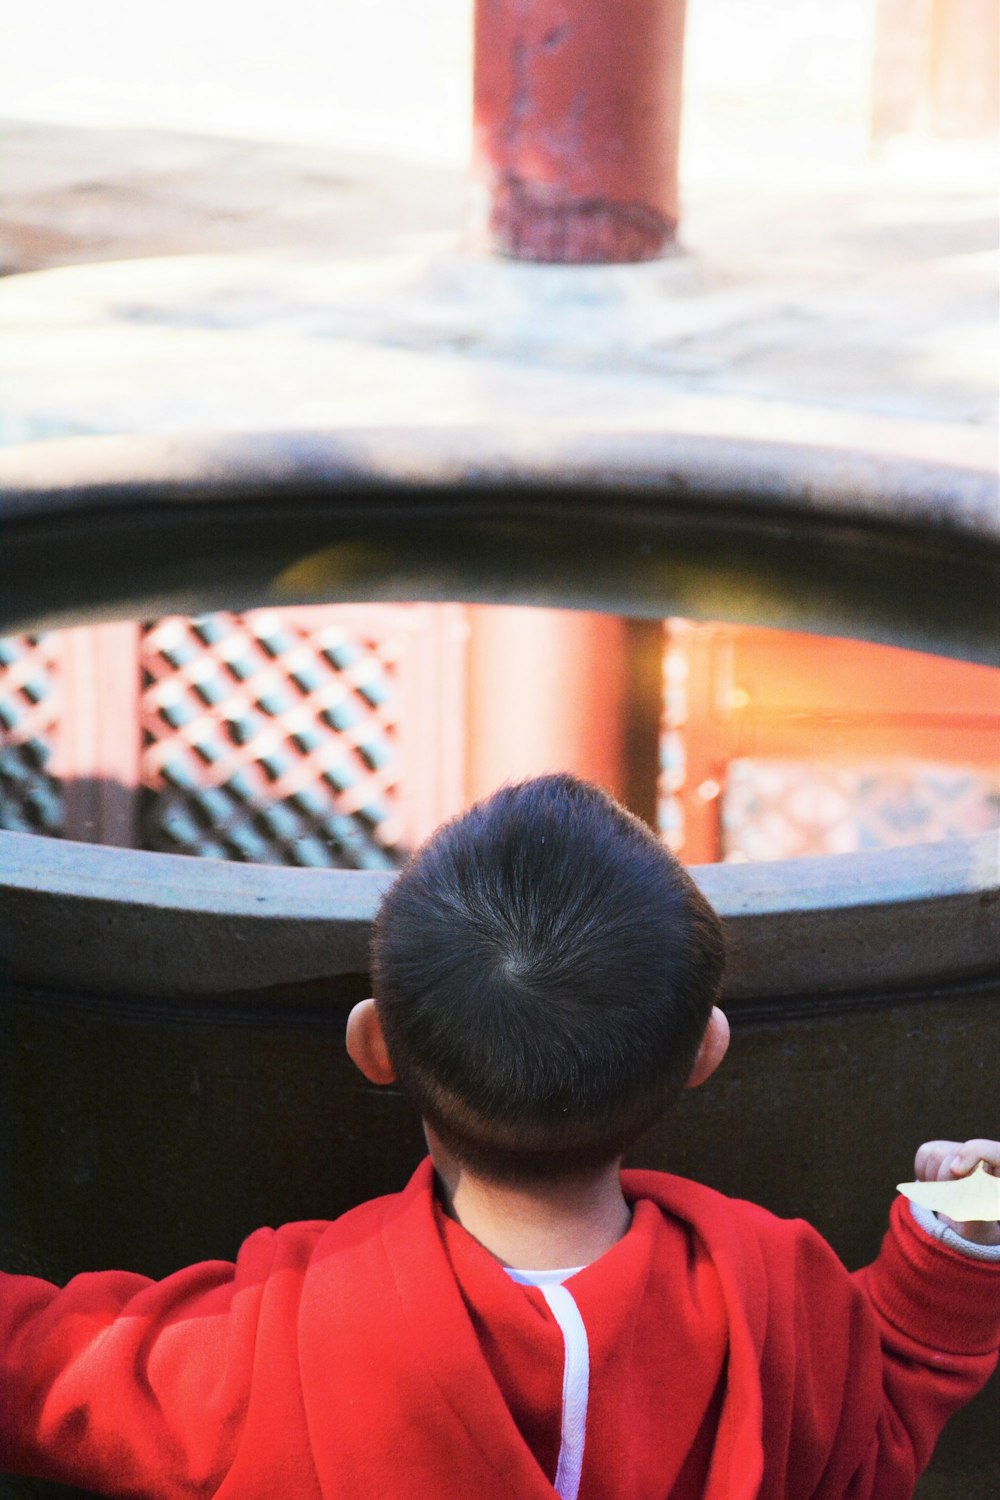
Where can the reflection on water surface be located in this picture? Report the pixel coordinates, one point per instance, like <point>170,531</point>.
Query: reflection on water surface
<point>340,735</point>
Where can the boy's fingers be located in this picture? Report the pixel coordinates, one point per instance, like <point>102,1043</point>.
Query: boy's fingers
<point>939,1161</point>
<point>931,1157</point>
<point>967,1155</point>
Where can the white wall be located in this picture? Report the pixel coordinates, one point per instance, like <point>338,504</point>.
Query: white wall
<point>386,74</point>
<point>396,74</point>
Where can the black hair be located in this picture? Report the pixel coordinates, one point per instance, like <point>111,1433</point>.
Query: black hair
<point>544,970</point>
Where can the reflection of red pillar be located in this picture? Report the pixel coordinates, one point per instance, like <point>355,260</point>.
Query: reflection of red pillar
<point>577,118</point>
<point>546,690</point>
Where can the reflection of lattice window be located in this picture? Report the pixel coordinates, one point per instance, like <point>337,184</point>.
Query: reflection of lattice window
<point>277,737</point>
<point>30,795</point>
<point>779,809</point>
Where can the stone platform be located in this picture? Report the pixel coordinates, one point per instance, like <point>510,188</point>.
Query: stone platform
<point>157,281</point>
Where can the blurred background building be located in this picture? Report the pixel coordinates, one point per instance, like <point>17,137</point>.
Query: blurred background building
<point>340,735</point>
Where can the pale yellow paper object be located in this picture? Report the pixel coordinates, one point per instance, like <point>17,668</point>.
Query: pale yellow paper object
<point>964,1199</point>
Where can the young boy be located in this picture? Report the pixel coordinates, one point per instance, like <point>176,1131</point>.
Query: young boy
<point>524,1319</point>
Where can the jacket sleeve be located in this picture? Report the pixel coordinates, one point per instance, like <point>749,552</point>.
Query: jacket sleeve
<point>937,1311</point>
<point>861,1372</point>
<point>128,1386</point>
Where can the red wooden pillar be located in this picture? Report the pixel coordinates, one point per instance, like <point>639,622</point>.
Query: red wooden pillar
<point>577,121</point>
<point>546,693</point>
<point>98,741</point>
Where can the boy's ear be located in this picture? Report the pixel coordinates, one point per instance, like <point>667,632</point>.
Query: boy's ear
<point>714,1046</point>
<point>366,1044</point>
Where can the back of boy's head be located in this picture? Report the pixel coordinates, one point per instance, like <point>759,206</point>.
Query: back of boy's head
<point>544,970</point>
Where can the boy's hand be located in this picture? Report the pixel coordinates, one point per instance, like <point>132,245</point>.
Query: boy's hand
<point>943,1161</point>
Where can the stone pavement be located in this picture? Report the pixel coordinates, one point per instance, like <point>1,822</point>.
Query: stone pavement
<point>158,281</point>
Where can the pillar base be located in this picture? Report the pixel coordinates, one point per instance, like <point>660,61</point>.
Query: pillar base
<point>528,222</point>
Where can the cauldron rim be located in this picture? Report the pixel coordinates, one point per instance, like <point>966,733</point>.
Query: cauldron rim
<point>812,932</point>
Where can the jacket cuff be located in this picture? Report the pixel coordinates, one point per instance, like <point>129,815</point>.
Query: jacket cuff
<point>939,1230</point>
<point>919,1282</point>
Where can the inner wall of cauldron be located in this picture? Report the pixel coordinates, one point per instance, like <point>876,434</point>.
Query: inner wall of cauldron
<point>599,550</point>
<point>338,736</point>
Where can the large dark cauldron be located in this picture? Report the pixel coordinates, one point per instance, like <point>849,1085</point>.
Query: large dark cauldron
<point>172,1064</point>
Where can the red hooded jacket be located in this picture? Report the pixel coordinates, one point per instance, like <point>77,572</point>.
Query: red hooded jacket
<point>388,1356</point>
